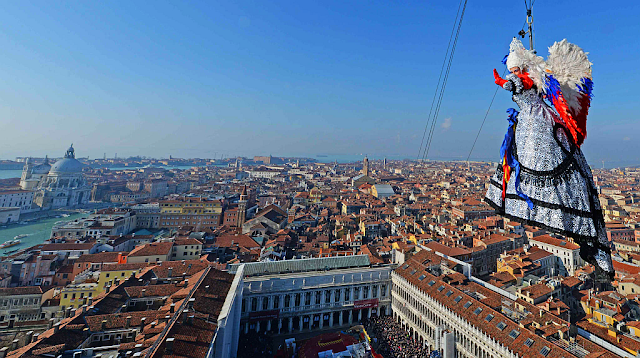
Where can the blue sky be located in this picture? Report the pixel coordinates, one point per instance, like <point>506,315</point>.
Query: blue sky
<point>290,77</point>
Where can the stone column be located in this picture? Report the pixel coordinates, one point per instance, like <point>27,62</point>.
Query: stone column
<point>331,319</point>
<point>268,325</point>
<point>301,321</point>
<point>321,323</point>
<point>246,327</point>
<point>340,319</point>
<point>279,325</point>
<point>369,313</point>
<point>258,326</point>
<point>290,324</point>
<point>350,316</point>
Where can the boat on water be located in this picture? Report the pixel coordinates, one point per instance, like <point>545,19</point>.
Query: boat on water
<point>65,215</point>
<point>10,243</point>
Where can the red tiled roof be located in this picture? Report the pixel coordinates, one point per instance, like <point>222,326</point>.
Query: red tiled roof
<point>228,240</point>
<point>29,290</point>
<point>152,249</point>
<point>66,247</point>
<point>549,240</point>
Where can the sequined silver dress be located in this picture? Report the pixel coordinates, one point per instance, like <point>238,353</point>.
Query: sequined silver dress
<point>555,176</point>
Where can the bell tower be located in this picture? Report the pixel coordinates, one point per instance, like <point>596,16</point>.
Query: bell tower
<point>242,207</point>
<point>365,166</point>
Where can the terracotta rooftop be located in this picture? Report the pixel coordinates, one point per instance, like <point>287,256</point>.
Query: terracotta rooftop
<point>550,240</point>
<point>152,249</point>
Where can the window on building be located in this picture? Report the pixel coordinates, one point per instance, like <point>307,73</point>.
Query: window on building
<point>297,300</point>
<point>327,296</point>
<point>265,302</point>
<point>317,297</point>
<point>287,301</point>
<point>347,294</point>
<point>545,351</point>
<point>375,291</point>
<point>276,302</point>
<point>254,304</point>
<point>489,318</point>
<point>356,293</point>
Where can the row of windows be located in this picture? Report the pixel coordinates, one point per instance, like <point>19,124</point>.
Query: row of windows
<point>315,297</point>
<point>73,295</point>
<point>21,301</point>
<point>437,319</point>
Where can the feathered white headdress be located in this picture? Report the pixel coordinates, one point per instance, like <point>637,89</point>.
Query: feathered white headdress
<point>527,61</point>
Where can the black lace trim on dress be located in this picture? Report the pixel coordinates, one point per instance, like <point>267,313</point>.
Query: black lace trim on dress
<point>578,237</point>
<point>544,204</point>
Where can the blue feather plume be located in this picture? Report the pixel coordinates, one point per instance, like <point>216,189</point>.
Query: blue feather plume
<point>553,87</point>
<point>504,60</point>
<point>586,87</point>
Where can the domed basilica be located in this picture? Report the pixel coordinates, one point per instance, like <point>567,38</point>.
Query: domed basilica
<point>56,186</point>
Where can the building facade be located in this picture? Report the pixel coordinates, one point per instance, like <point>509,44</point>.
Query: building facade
<point>59,185</point>
<point>567,254</point>
<point>312,294</point>
<point>196,212</point>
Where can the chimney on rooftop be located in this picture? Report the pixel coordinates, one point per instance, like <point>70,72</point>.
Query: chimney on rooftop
<point>170,273</point>
<point>28,337</point>
<point>128,322</point>
<point>56,327</point>
<point>142,293</point>
<point>35,337</point>
<point>168,347</point>
<point>103,325</point>
<point>3,352</point>
<point>14,345</point>
<point>191,302</point>
<point>172,308</point>
<point>143,321</point>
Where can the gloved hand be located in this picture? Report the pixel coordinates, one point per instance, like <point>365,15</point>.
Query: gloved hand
<point>499,80</point>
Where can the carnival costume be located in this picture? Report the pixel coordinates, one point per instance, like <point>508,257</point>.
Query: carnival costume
<point>543,178</point>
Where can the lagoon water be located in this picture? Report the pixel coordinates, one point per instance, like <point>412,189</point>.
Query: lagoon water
<point>38,232</point>
<point>13,173</point>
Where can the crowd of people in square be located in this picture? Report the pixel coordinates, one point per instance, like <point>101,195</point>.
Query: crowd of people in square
<point>392,341</point>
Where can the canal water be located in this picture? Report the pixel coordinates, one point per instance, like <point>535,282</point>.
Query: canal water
<point>38,232</point>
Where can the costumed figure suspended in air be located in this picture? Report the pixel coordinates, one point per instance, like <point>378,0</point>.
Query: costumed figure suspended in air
<point>543,178</point>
